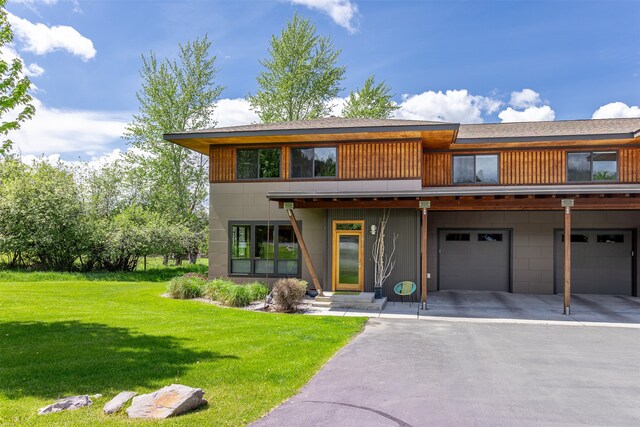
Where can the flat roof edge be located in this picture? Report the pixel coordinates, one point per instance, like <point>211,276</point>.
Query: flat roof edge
<point>503,139</point>
<point>464,191</point>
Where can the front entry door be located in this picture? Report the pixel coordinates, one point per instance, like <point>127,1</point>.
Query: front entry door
<point>348,255</point>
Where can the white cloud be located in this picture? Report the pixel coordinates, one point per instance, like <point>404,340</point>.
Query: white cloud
<point>41,39</point>
<point>457,106</point>
<point>337,105</point>
<point>530,114</point>
<point>8,54</point>
<point>616,110</point>
<point>525,98</point>
<point>234,112</point>
<point>64,131</point>
<point>343,12</point>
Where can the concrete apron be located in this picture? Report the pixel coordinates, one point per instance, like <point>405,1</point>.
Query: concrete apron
<point>503,307</point>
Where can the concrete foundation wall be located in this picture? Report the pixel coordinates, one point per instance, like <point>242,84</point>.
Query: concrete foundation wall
<point>532,239</point>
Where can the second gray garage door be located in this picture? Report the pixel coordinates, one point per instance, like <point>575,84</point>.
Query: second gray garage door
<point>474,259</point>
<point>601,261</point>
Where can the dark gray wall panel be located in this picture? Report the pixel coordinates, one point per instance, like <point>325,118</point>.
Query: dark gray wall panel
<point>404,222</point>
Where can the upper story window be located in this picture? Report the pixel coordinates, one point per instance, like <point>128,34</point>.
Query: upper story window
<point>316,162</point>
<point>258,163</point>
<point>478,169</point>
<point>592,166</point>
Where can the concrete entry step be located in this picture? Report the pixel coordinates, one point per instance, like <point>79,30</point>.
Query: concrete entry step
<point>360,301</point>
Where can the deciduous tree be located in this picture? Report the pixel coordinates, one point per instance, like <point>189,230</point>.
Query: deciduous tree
<point>15,107</point>
<point>300,76</point>
<point>372,101</point>
<point>176,95</point>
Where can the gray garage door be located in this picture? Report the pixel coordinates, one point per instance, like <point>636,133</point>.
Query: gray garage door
<point>474,259</point>
<point>600,261</point>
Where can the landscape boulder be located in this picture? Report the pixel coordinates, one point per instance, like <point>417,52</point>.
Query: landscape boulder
<point>66,404</point>
<point>169,401</point>
<point>115,404</point>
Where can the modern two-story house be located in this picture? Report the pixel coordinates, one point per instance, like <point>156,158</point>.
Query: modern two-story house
<point>475,207</point>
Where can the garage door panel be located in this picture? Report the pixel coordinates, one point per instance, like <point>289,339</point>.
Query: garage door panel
<point>600,265</point>
<point>480,263</point>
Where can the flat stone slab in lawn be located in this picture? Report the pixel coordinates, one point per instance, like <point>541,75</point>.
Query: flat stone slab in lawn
<point>66,404</point>
<point>115,404</point>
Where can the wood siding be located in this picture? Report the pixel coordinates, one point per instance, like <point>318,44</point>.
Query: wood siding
<point>533,167</point>
<point>530,167</point>
<point>436,170</point>
<point>222,164</point>
<point>379,160</point>
<point>629,164</point>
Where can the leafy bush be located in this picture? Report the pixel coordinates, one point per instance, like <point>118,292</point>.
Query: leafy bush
<point>235,295</point>
<point>288,294</point>
<point>187,287</point>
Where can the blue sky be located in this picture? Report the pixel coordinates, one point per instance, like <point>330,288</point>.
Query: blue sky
<point>474,61</point>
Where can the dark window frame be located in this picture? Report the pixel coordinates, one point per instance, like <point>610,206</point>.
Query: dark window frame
<point>252,258</point>
<point>475,168</point>
<point>591,153</point>
<point>280,169</point>
<point>313,165</point>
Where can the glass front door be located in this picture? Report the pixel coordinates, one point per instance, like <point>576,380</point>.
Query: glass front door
<point>348,256</point>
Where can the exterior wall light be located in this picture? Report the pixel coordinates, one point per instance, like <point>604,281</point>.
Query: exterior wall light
<point>374,229</point>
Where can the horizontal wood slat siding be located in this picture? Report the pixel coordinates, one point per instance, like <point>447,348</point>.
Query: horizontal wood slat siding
<point>629,164</point>
<point>222,164</point>
<point>436,169</point>
<point>533,167</point>
<point>379,160</point>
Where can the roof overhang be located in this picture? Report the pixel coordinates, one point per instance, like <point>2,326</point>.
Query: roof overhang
<point>432,136</point>
<point>539,197</point>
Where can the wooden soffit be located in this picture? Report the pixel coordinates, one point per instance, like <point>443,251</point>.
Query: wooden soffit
<point>479,203</point>
<point>433,139</point>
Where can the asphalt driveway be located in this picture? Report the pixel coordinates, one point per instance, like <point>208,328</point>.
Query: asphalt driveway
<point>441,372</point>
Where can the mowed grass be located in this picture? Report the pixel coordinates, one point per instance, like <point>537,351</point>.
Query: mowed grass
<point>76,336</point>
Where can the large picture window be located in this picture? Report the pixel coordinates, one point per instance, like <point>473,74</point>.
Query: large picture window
<point>316,162</point>
<point>258,248</point>
<point>592,166</point>
<point>258,163</point>
<point>480,169</point>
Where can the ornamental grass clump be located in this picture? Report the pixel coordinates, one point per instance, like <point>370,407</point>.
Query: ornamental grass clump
<point>235,295</point>
<point>187,286</point>
<point>288,294</point>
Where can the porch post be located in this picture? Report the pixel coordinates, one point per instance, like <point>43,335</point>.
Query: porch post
<point>567,204</point>
<point>424,205</point>
<point>303,248</point>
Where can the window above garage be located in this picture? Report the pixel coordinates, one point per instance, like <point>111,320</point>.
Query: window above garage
<point>478,169</point>
<point>592,166</point>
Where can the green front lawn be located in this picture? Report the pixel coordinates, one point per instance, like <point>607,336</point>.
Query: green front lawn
<point>68,335</point>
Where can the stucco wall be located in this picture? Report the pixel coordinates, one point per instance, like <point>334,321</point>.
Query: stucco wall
<point>532,239</point>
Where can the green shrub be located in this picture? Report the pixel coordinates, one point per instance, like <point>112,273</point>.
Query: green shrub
<point>217,288</point>
<point>233,294</point>
<point>257,290</point>
<point>187,287</point>
<point>288,294</point>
